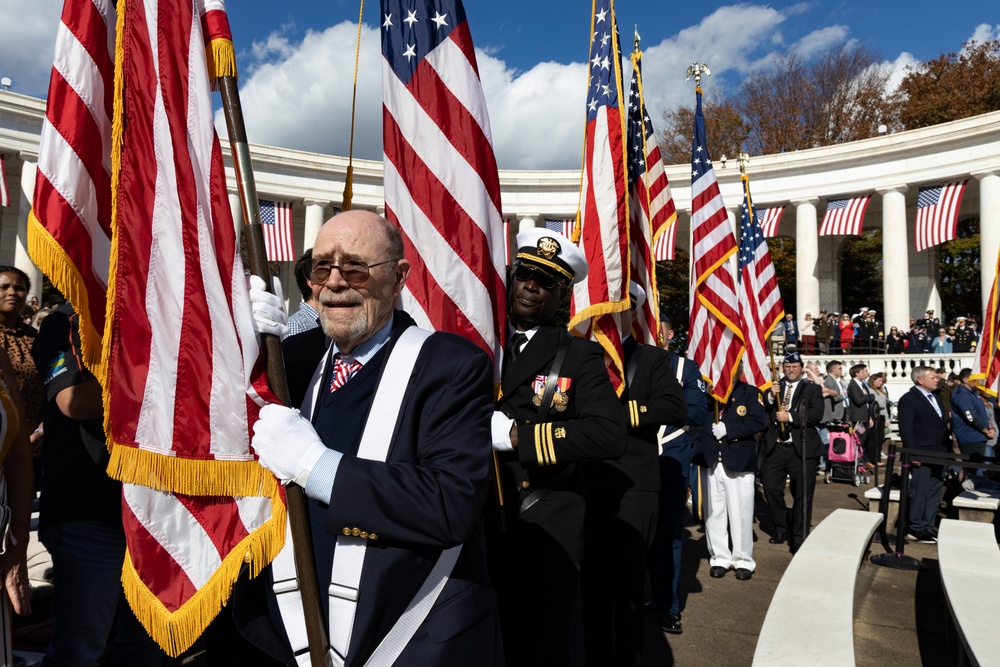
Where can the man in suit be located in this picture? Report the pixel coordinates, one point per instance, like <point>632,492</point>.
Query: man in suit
<point>796,408</point>
<point>622,503</point>
<point>675,478</point>
<point>556,410</point>
<point>791,332</point>
<point>404,511</point>
<point>922,425</point>
<point>834,404</point>
<point>860,400</point>
<point>727,450</point>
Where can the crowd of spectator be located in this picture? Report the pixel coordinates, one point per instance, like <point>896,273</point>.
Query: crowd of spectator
<point>864,333</point>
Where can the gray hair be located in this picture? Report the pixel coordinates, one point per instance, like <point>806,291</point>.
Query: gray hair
<point>919,372</point>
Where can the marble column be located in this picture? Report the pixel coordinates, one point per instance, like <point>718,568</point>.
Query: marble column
<point>806,258</point>
<point>315,217</point>
<point>895,259</point>
<point>989,229</point>
<point>29,167</point>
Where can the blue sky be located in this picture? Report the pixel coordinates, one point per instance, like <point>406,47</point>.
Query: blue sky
<point>296,59</point>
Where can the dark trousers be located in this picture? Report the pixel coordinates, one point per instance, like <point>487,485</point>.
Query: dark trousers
<point>536,603</point>
<point>619,529</point>
<point>665,552</point>
<point>926,487</point>
<point>782,461</point>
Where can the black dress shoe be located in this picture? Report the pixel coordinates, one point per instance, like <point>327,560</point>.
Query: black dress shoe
<point>671,623</point>
<point>778,538</point>
<point>743,574</point>
<point>718,572</point>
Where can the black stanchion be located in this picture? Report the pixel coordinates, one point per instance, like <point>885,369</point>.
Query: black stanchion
<point>899,560</point>
<point>883,503</point>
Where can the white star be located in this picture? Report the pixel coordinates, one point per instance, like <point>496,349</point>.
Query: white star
<point>698,149</point>
<point>440,19</point>
<point>411,18</point>
<point>604,39</point>
<point>410,52</point>
<point>593,105</point>
<point>601,15</point>
<point>388,22</point>
<point>607,89</point>
<point>694,173</point>
<point>605,63</point>
<point>596,62</point>
<point>697,160</point>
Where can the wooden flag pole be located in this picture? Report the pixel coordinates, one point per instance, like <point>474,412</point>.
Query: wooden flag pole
<point>297,509</point>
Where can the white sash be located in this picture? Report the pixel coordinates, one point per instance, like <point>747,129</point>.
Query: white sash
<point>348,560</point>
<point>662,437</point>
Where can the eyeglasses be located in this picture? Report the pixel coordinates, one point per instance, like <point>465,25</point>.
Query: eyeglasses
<point>354,273</point>
<point>543,280</point>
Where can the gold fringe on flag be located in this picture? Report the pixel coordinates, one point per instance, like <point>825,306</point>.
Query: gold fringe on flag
<point>177,631</point>
<point>221,56</point>
<point>193,477</point>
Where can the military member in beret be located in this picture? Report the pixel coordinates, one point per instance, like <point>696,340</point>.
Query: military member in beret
<point>795,406</point>
<point>556,410</point>
<point>622,503</point>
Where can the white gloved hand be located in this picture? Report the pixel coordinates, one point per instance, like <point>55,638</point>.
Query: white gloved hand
<point>268,309</point>
<point>719,431</point>
<point>287,444</point>
<point>500,427</point>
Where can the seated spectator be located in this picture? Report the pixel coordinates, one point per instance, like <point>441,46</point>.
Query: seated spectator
<point>941,343</point>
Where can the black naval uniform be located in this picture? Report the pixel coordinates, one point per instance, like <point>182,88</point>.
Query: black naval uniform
<point>537,549</point>
<point>622,510</point>
<point>783,456</point>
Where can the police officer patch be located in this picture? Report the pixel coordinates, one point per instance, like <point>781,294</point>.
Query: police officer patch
<point>741,410</point>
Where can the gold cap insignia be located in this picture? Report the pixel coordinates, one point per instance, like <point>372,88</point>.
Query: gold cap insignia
<point>547,247</point>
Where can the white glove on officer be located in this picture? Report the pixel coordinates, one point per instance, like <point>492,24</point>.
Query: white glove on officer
<point>268,309</point>
<point>287,444</point>
<point>719,431</point>
<point>500,427</point>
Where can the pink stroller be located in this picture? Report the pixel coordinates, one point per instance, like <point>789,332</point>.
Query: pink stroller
<point>845,460</point>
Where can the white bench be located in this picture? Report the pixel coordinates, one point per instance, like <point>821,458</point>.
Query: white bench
<point>874,498</point>
<point>976,506</point>
<point>970,574</point>
<point>810,620</point>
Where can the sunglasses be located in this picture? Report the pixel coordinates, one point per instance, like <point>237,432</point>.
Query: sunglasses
<point>543,280</point>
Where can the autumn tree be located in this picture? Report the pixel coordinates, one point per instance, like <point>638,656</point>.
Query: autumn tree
<point>961,290</point>
<point>725,130</point>
<point>952,86</point>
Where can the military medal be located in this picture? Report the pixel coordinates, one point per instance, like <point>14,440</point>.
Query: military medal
<point>560,400</point>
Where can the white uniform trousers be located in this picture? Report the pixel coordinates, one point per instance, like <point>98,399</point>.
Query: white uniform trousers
<point>729,499</point>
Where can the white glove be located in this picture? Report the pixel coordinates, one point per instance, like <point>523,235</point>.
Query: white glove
<point>268,309</point>
<point>500,427</point>
<point>287,444</point>
<point>719,431</point>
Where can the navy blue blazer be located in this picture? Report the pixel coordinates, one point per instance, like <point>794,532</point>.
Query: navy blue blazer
<point>745,418</point>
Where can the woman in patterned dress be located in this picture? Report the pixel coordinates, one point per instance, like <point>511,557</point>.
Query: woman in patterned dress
<point>16,339</point>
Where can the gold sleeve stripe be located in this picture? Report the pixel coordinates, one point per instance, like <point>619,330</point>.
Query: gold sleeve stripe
<point>552,445</point>
<point>538,443</point>
<point>633,413</point>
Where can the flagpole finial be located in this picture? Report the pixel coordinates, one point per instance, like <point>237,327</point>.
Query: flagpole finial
<point>636,39</point>
<point>696,70</point>
<point>744,160</point>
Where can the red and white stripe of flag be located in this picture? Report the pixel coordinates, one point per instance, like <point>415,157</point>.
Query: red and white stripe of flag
<point>986,363</point>
<point>4,195</point>
<point>181,348</point>
<point>276,222</point>
<point>664,243</point>
<point>844,216</point>
<point>937,222</point>
<point>443,190</point>
<point>770,218</point>
<point>69,232</point>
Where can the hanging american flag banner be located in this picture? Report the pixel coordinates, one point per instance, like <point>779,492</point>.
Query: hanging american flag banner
<point>769,219</point>
<point>4,195</point>
<point>760,300</point>
<point>937,214</point>
<point>169,297</point>
<point>665,243</point>
<point>564,227</point>
<point>604,198</point>
<point>651,206</point>
<point>276,223</point>
<point>716,339</point>
<point>844,216</point>
<point>441,182</point>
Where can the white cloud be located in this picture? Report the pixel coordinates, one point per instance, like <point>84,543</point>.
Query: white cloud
<point>901,66</point>
<point>821,40</point>
<point>27,42</point>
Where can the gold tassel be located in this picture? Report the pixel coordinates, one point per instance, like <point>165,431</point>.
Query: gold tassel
<point>221,57</point>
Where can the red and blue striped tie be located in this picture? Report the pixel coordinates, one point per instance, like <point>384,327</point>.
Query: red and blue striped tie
<point>343,371</point>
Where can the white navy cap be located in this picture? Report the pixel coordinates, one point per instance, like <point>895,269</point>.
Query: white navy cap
<point>636,292</point>
<point>552,252</point>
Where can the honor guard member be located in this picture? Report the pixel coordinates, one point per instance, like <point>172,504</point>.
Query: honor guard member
<point>622,503</point>
<point>796,409</point>
<point>556,409</point>
<point>675,480</point>
<point>727,451</point>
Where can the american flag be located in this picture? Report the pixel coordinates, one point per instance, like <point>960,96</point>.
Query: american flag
<point>4,196</point>
<point>986,363</point>
<point>506,242</point>
<point>716,340</point>
<point>564,227</point>
<point>441,182</point>
<point>651,207</point>
<point>937,214</point>
<point>760,300</point>
<point>599,298</point>
<point>276,220</point>
<point>844,216</point>
<point>769,219</point>
<point>180,342</point>
<point>665,243</point>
